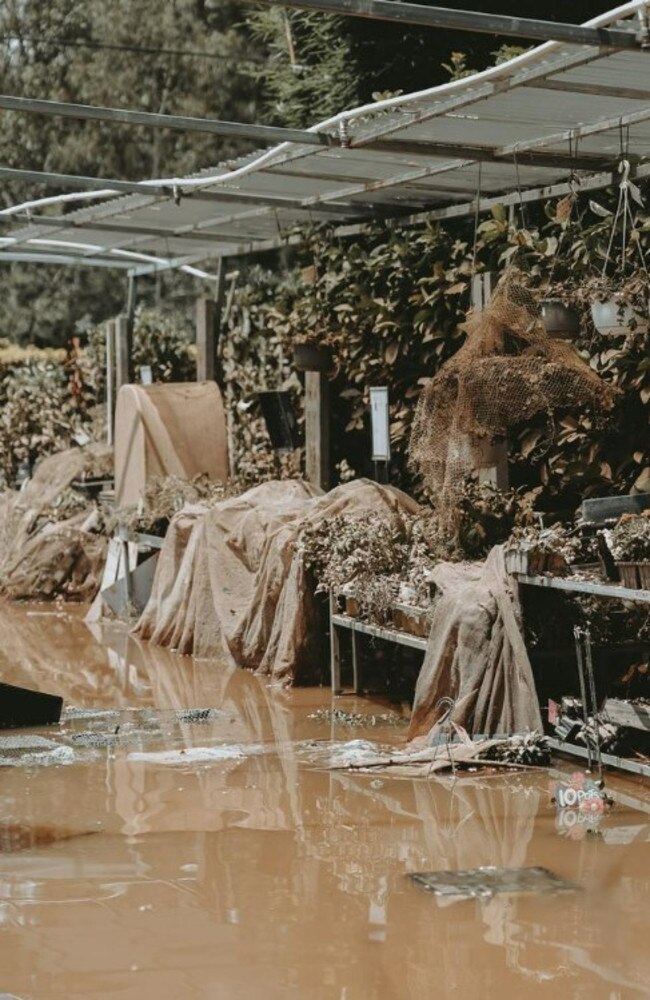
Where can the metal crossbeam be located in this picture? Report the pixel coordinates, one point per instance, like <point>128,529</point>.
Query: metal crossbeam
<point>565,86</point>
<point>526,154</point>
<point>62,223</point>
<point>257,133</point>
<point>468,20</point>
<point>579,132</point>
<point>66,260</point>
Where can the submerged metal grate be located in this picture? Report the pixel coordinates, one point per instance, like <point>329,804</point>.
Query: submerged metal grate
<point>487,881</point>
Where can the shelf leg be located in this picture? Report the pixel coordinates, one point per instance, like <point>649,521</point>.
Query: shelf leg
<point>355,662</point>
<point>335,652</point>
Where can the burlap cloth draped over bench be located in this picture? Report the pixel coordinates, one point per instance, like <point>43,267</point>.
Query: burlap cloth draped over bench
<point>476,654</point>
<point>230,583</point>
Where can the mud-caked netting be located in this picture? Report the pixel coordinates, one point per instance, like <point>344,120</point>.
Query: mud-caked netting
<point>507,371</point>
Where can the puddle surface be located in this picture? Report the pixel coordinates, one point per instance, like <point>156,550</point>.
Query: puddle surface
<point>204,855</point>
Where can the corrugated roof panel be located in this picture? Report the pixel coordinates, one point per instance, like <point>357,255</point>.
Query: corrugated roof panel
<point>518,104</point>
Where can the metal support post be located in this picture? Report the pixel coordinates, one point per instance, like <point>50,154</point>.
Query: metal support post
<point>335,649</point>
<point>110,380</point>
<point>209,314</point>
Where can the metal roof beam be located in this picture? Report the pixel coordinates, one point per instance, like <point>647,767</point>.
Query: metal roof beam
<point>590,89</point>
<point>224,195</point>
<point>77,182</point>
<point>525,153</point>
<point>65,260</point>
<point>240,130</point>
<point>579,132</point>
<point>61,223</point>
<point>468,20</point>
<point>594,182</point>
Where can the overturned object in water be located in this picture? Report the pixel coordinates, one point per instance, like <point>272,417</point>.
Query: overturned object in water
<point>20,706</point>
<point>486,881</point>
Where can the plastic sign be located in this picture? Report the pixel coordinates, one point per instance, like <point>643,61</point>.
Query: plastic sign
<point>380,423</point>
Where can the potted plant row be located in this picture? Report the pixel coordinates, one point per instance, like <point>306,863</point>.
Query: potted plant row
<point>402,613</point>
<point>629,542</point>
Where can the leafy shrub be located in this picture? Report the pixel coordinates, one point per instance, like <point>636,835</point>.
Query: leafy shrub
<point>37,416</point>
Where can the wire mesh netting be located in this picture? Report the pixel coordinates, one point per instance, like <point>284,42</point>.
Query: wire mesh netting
<point>507,371</point>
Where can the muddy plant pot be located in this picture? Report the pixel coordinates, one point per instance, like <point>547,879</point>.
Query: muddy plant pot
<point>533,562</point>
<point>629,573</point>
<point>561,321</point>
<point>614,320</point>
<point>311,358</point>
<point>352,607</point>
<point>413,621</point>
<point>635,574</point>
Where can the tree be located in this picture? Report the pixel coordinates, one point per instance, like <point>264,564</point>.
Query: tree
<point>83,52</point>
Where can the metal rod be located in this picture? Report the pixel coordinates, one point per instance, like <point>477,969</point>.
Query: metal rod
<point>6,257</point>
<point>63,222</point>
<point>527,155</point>
<point>258,133</point>
<point>468,20</point>
<point>577,634</point>
<point>594,699</point>
<point>565,86</point>
<point>579,132</point>
<point>110,379</point>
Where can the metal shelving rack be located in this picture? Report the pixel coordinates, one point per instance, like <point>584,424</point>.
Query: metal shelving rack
<point>355,627</point>
<point>584,587</point>
<point>602,590</point>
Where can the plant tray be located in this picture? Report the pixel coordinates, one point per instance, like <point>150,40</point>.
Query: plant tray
<point>352,607</point>
<point>635,575</point>
<point>412,620</point>
<point>534,563</point>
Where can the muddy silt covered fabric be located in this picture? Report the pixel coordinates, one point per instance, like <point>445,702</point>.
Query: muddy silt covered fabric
<point>41,553</point>
<point>476,654</point>
<point>171,429</point>
<point>230,581</point>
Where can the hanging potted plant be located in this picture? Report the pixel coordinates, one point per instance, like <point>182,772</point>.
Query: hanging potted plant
<point>619,294</point>
<point>620,308</point>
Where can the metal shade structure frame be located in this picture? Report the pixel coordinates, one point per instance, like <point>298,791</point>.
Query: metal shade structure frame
<point>515,132</point>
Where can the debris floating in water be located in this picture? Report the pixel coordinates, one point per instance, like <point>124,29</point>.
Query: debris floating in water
<point>197,755</point>
<point>487,881</point>
<point>357,720</point>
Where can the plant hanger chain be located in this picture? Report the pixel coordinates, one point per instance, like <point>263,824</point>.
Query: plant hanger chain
<point>624,213</point>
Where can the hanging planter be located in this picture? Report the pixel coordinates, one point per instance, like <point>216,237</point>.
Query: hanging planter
<point>561,321</point>
<point>616,319</point>
<point>313,357</point>
<point>620,302</point>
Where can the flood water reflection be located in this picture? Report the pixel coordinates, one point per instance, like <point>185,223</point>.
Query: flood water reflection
<point>244,872</point>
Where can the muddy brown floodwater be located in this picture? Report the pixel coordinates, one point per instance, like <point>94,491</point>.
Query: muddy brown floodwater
<point>163,854</point>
